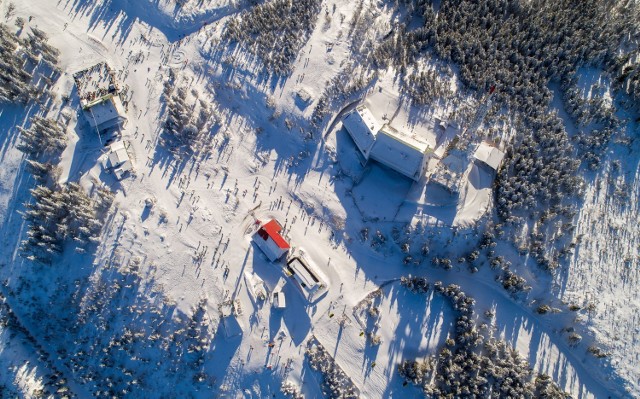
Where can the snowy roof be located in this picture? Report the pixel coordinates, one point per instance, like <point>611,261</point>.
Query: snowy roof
<point>272,230</point>
<point>269,240</point>
<point>489,155</point>
<point>123,169</point>
<point>105,113</point>
<point>303,274</point>
<point>452,129</point>
<point>304,95</point>
<point>403,153</point>
<point>232,327</point>
<point>456,161</point>
<point>118,154</point>
<point>279,300</point>
<point>362,126</point>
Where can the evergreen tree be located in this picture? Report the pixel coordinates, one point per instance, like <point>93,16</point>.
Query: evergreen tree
<point>44,137</point>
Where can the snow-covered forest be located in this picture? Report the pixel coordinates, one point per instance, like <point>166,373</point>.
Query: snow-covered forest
<point>131,199</point>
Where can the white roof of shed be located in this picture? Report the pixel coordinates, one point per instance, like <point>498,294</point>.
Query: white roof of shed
<point>123,169</point>
<point>118,154</point>
<point>489,155</point>
<point>279,300</point>
<point>304,275</point>
<point>304,95</point>
<point>362,126</point>
<point>403,153</point>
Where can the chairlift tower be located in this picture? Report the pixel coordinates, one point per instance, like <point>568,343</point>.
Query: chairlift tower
<point>481,112</point>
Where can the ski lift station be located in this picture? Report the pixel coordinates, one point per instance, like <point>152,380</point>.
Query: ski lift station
<point>400,152</point>
<point>451,176</point>
<point>270,242</point>
<point>405,154</point>
<point>305,277</point>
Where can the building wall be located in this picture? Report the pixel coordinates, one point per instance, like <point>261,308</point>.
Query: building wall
<point>361,133</point>
<point>269,248</point>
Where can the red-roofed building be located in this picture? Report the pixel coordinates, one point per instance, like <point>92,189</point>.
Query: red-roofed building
<point>269,240</point>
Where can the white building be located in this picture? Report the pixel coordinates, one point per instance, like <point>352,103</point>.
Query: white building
<point>306,278</point>
<point>105,113</point>
<point>304,96</point>
<point>400,152</point>
<point>269,240</point>
<point>405,154</point>
<point>489,155</point>
<point>119,160</point>
<point>279,301</point>
<point>363,128</point>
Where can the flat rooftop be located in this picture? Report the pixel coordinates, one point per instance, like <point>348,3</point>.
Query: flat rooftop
<point>412,141</point>
<point>105,111</point>
<point>303,273</point>
<point>363,128</point>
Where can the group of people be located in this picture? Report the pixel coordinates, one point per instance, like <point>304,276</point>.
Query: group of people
<point>84,77</point>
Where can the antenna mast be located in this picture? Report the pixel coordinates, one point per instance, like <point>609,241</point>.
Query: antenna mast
<point>481,112</point>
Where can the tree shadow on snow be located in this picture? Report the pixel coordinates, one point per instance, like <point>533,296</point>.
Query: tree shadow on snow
<point>422,317</point>
<point>122,15</point>
<point>294,320</point>
<point>549,354</point>
<point>12,116</point>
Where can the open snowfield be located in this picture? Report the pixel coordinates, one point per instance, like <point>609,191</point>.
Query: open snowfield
<point>603,274</point>
<point>142,314</point>
<point>22,370</point>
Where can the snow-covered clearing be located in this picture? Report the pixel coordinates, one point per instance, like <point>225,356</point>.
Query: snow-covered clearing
<point>146,314</point>
<point>603,275</point>
<point>22,370</point>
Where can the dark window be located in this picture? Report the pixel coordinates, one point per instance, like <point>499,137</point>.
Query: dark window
<point>262,233</point>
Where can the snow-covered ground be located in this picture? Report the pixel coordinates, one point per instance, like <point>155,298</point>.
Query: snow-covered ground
<point>159,267</point>
<point>603,275</point>
<point>22,370</point>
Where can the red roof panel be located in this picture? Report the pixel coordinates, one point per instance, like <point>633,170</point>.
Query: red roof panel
<point>273,229</point>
